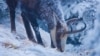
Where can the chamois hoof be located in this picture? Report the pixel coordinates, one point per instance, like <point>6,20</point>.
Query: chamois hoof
<point>60,50</point>
<point>42,44</point>
<point>52,46</point>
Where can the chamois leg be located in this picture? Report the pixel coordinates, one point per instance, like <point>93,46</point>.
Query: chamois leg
<point>28,28</point>
<point>36,29</point>
<point>12,19</point>
<point>39,39</point>
<point>12,4</point>
<point>35,26</point>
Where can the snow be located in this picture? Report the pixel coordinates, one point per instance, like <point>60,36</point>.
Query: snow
<point>10,46</point>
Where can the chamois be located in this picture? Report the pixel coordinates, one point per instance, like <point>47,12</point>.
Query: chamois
<point>44,10</point>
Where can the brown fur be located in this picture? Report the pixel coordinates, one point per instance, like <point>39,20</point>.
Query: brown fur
<point>30,3</point>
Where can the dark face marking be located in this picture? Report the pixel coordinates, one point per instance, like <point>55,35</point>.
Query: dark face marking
<point>58,41</point>
<point>59,35</point>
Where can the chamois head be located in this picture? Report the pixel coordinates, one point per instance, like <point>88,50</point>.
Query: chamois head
<point>62,31</point>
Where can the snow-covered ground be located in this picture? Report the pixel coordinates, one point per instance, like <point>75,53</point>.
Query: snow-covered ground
<point>12,46</point>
